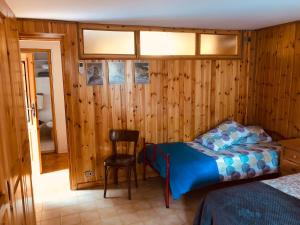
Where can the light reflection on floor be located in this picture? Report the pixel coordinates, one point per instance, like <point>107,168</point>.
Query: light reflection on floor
<point>57,205</point>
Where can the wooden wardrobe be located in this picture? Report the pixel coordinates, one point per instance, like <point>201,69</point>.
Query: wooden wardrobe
<point>16,199</point>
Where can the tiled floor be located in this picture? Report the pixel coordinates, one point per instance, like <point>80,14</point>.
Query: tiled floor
<point>47,145</point>
<point>57,205</point>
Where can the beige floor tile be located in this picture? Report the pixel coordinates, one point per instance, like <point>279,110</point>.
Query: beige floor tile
<point>51,206</point>
<point>89,216</point>
<point>56,204</point>
<point>153,221</point>
<point>92,223</point>
<point>138,223</point>
<point>124,209</point>
<point>71,220</point>
<point>163,212</point>
<point>56,221</point>
<point>38,207</point>
<point>171,220</point>
<point>130,218</point>
<point>50,214</point>
<point>142,205</point>
<point>85,199</point>
<point>107,212</point>
<point>187,216</point>
<point>88,206</point>
<point>122,201</point>
<point>104,203</point>
<point>111,221</point>
<point>148,214</point>
<point>70,210</point>
<point>38,216</point>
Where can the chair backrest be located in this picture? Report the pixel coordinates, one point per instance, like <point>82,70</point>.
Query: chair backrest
<point>123,136</point>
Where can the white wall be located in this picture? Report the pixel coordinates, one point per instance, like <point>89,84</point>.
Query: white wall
<point>43,86</point>
<point>58,91</point>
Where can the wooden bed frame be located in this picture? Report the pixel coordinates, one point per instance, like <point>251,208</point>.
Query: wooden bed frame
<point>157,151</point>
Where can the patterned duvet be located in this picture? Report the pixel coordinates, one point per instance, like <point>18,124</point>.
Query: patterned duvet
<point>194,166</point>
<point>244,160</point>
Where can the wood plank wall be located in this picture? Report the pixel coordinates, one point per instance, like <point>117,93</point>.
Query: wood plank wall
<point>184,99</point>
<point>70,60</point>
<point>274,90</point>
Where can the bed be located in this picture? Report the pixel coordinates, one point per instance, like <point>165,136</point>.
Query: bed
<point>228,152</point>
<point>188,166</point>
<point>275,202</point>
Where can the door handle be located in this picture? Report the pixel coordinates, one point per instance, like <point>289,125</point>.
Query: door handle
<point>32,109</point>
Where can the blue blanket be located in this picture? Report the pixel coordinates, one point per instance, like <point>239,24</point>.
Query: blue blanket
<point>189,168</point>
<point>248,204</point>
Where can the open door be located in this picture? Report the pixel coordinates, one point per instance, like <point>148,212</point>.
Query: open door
<point>27,62</point>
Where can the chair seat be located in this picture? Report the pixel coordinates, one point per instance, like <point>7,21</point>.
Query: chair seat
<point>119,160</point>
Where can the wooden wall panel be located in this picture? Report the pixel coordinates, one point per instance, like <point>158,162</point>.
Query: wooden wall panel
<point>274,89</point>
<point>184,99</point>
<point>71,84</point>
<point>294,112</point>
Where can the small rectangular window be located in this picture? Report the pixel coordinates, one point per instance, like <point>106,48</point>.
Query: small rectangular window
<point>102,42</point>
<point>156,43</point>
<point>219,44</point>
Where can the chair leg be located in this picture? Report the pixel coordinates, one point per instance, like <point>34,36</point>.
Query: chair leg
<point>129,181</point>
<point>135,176</point>
<point>105,180</point>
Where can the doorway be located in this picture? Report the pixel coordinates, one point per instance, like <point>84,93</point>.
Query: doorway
<point>42,76</point>
<point>44,99</point>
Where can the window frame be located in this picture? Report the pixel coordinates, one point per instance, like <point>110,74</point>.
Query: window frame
<point>168,56</point>
<point>209,56</point>
<point>137,54</point>
<point>97,27</point>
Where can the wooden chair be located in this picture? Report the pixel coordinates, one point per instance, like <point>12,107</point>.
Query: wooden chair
<point>116,161</point>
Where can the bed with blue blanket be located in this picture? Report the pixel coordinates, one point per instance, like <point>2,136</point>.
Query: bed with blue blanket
<point>275,202</point>
<point>191,165</point>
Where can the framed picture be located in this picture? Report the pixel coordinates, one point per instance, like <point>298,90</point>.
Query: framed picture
<point>141,73</point>
<point>94,73</point>
<point>116,72</point>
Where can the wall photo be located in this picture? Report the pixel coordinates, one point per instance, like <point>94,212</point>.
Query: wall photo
<point>141,73</point>
<point>94,73</point>
<point>116,71</point>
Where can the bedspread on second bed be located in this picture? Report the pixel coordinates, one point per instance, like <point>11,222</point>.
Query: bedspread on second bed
<point>193,166</point>
<point>249,204</point>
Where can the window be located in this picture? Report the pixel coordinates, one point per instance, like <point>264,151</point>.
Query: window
<point>104,42</point>
<point>100,41</point>
<point>218,44</point>
<point>157,43</point>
